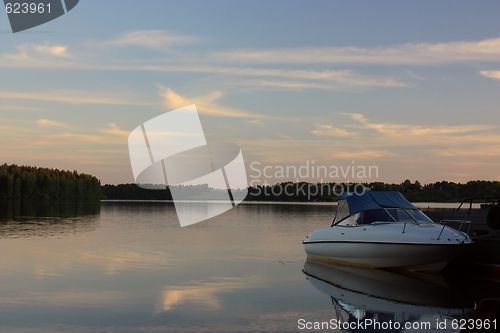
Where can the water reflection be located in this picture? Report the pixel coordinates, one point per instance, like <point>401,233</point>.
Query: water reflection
<point>206,294</point>
<point>27,218</point>
<point>358,294</point>
<point>29,209</point>
<point>135,270</point>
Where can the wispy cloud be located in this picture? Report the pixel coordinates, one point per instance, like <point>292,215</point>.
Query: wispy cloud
<point>152,39</point>
<point>332,131</point>
<point>73,137</point>
<point>347,77</point>
<point>362,138</point>
<point>474,140</point>
<point>419,134</point>
<point>478,152</point>
<point>14,107</point>
<point>293,78</point>
<point>363,154</point>
<point>44,122</point>
<point>111,134</point>
<point>39,56</point>
<point>283,79</point>
<point>68,97</point>
<point>58,57</point>
<point>491,74</point>
<point>60,51</point>
<point>206,104</point>
<point>114,129</point>
<point>403,54</point>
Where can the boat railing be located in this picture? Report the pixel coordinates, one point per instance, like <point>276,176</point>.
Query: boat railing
<point>462,224</point>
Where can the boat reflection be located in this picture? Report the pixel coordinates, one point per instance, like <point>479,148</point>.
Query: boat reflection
<point>360,293</point>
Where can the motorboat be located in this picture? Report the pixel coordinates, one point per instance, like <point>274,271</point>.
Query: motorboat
<point>382,229</point>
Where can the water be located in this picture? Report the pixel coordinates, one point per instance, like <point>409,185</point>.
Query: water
<point>131,268</point>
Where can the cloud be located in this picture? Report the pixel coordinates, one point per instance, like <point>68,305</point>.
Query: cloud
<point>12,107</point>
<point>316,79</point>
<point>491,74</point>
<point>71,137</point>
<point>423,133</point>
<point>313,80</point>
<point>66,97</point>
<point>365,139</point>
<point>477,152</point>
<point>38,55</point>
<point>329,130</point>
<point>300,79</point>
<point>205,104</point>
<point>43,122</point>
<point>346,77</point>
<point>58,56</point>
<point>44,56</point>
<point>112,134</point>
<point>403,54</point>
<point>114,129</point>
<point>60,51</point>
<point>283,85</point>
<point>152,39</point>
<point>362,154</point>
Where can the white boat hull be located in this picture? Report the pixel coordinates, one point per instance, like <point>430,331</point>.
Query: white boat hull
<point>418,256</point>
<point>419,248</point>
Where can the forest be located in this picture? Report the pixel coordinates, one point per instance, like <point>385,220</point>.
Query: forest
<point>26,182</point>
<point>442,191</point>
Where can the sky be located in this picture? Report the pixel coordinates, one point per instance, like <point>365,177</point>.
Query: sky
<point>411,87</point>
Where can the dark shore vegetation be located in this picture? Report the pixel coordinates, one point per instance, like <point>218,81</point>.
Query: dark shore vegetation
<point>33,183</point>
<point>442,191</point>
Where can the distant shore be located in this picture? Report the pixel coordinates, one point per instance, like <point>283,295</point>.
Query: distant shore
<point>34,183</point>
<point>445,192</point>
<point>422,205</point>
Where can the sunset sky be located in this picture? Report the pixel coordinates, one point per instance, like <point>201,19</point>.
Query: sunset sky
<point>412,87</point>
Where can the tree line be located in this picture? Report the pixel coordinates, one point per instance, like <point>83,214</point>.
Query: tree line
<point>442,191</point>
<point>26,182</point>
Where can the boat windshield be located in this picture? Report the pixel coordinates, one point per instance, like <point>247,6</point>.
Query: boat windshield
<point>342,211</point>
<point>399,215</point>
<point>419,216</point>
<point>374,215</point>
<point>389,215</point>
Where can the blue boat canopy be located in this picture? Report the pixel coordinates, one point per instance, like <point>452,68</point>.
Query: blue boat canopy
<point>375,200</point>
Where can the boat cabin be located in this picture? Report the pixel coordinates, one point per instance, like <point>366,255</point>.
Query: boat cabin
<point>375,208</point>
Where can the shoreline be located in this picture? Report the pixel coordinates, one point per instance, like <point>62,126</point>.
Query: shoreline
<point>422,205</point>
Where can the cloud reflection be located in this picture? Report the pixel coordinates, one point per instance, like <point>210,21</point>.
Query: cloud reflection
<point>204,293</point>
<point>114,262</point>
<point>64,298</point>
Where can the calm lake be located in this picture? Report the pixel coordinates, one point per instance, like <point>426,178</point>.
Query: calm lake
<point>129,267</point>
